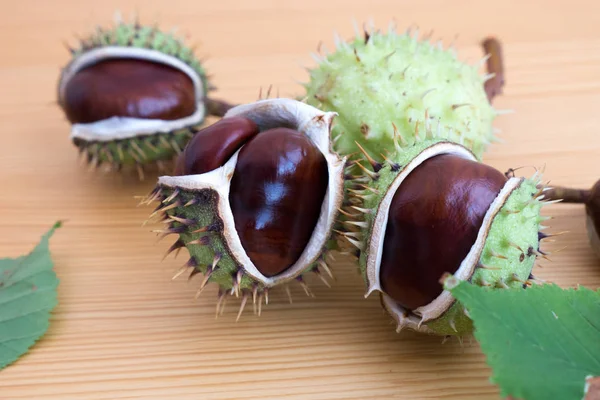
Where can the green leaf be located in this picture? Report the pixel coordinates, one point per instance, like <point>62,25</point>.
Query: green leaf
<point>541,342</point>
<point>27,296</point>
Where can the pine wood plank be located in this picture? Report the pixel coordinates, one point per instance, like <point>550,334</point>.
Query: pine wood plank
<point>124,330</point>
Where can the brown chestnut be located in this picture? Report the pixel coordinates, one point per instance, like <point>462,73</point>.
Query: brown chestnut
<point>277,190</point>
<point>434,219</point>
<point>212,146</point>
<point>128,88</point>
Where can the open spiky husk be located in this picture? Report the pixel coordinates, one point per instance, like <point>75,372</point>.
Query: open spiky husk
<point>197,210</point>
<point>386,84</point>
<point>123,141</point>
<point>503,255</point>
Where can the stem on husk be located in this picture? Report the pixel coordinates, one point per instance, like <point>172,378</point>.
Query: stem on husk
<point>217,108</point>
<point>568,195</point>
<point>495,65</point>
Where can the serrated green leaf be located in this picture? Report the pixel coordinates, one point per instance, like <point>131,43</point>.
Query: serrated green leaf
<point>27,296</point>
<point>541,342</point>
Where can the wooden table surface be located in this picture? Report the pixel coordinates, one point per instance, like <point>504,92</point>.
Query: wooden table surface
<point>124,330</point>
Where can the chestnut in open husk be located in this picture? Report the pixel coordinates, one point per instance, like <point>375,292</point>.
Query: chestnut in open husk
<point>591,199</point>
<point>134,95</point>
<point>255,198</point>
<point>432,208</point>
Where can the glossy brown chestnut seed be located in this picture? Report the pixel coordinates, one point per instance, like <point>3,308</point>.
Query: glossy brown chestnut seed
<point>128,88</point>
<point>211,147</point>
<point>434,219</point>
<point>277,190</point>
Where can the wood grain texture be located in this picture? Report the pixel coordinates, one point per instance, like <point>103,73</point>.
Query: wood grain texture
<point>124,330</point>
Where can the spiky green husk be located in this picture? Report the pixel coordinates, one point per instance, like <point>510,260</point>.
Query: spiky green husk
<point>387,85</point>
<point>149,37</point>
<point>510,250</point>
<point>135,151</point>
<point>201,213</point>
<point>194,218</point>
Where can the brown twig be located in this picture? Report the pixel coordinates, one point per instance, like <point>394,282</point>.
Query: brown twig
<point>591,199</point>
<point>568,195</point>
<point>495,65</point>
<point>218,108</point>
